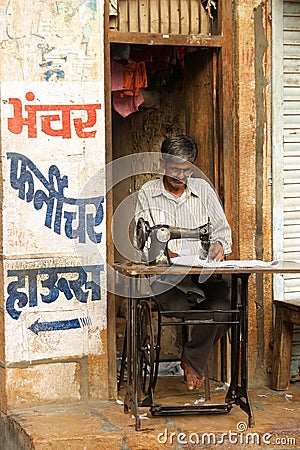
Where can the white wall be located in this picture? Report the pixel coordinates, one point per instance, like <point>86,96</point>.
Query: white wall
<point>53,169</point>
<point>286,149</point>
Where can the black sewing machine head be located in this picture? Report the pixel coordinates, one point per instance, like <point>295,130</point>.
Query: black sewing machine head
<point>160,235</point>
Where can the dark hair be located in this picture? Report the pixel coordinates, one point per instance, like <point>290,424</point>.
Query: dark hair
<point>179,148</point>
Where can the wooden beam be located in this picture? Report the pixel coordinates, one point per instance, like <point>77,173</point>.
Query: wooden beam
<point>216,150</point>
<point>111,314</point>
<point>191,40</point>
<point>226,111</point>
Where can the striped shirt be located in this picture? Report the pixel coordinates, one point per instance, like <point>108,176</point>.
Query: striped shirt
<point>198,203</point>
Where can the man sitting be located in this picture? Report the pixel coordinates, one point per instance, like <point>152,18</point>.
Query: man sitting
<point>178,199</point>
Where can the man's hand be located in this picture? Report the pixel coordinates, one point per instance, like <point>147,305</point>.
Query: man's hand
<point>216,252</point>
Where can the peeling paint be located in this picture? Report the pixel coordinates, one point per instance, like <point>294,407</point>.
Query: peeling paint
<point>43,41</point>
<point>52,318</point>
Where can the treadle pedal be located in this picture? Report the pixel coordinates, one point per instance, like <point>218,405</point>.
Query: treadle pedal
<point>172,410</point>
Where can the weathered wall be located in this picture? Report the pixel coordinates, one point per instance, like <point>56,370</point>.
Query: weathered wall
<point>53,298</point>
<point>252,95</point>
<point>53,313</point>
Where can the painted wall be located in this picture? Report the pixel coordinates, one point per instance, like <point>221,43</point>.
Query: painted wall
<point>53,302</point>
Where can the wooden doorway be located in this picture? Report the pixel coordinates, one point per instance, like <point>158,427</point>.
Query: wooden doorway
<point>198,103</point>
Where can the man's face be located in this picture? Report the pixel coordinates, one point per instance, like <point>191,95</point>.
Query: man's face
<point>176,175</point>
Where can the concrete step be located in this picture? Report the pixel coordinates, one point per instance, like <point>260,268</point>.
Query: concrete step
<point>103,425</point>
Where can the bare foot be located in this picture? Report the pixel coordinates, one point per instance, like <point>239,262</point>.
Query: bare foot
<point>192,381</point>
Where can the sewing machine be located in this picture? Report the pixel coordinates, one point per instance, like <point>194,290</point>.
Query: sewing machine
<point>160,235</point>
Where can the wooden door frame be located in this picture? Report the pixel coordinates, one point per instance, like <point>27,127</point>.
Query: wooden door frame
<point>224,42</point>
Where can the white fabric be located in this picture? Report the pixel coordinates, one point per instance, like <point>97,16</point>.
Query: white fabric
<point>195,261</point>
<point>113,7</point>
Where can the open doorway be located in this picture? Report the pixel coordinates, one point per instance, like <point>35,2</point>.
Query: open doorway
<point>180,95</point>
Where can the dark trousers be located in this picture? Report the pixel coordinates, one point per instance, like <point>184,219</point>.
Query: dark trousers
<point>197,350</point>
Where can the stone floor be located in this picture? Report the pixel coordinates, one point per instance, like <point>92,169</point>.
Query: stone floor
<point>103,425</point>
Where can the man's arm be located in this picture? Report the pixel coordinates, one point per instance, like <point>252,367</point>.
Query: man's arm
<point>221,232</point>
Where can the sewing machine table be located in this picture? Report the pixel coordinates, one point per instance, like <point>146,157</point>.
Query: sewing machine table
<point>238,389</point>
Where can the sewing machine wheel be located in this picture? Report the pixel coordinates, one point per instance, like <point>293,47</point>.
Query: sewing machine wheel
<point>142,233</point>
<point>148,350</point>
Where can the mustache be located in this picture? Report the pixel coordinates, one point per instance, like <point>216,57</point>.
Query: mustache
<point>178,180</point>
